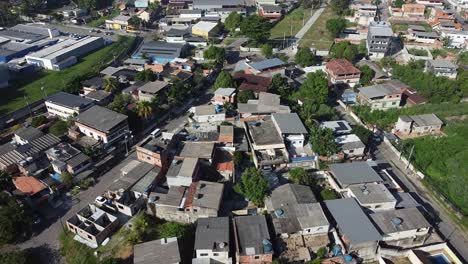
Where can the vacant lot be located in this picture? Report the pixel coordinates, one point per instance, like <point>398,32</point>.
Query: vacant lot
<point>318,36</point>
<point>291,23</point>
<point>12,98</point>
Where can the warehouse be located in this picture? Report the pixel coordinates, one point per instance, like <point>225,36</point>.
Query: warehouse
<point>160,52</point>
<point>13,50</point>
<point>65,53</point>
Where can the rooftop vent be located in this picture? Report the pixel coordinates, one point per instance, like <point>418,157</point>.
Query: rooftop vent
<point>397,221</point>
<point>279,212</point>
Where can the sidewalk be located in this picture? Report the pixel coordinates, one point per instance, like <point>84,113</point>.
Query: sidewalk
<point>308,24</point>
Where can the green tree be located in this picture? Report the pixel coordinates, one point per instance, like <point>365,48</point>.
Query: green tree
<point>14,257</point>
<point>145,76</point>
<point>120,103</point>
<point>336,25</point>
<point>344,50</point>
<point>279,85</point>
<point>233,21</point>
<point>463,58</point>
<point>5,179</point>
<point>367,74</point>
<point>215,53</point>
<point>304,57</point>
<point>237,158</point>
<point>322,252</point>
<point>252,186</point>
<point>312,112</point>
<point>328,194</point>
<point>300,176</point>
<point>245,96</point>
<point>66,178</point>
<point>256,28</point>
<point>74,252</point>
<point>135,22</point>
<point>224,80</point>
<point>323,141</point>
<point>339,6</point>
<point>140,227</point>
<point>144,109</point>
<point>314,89</point>
<point>15,220</point>
<point>38,120</point>
<point>58,128</point>
<point>363,133</point>
<point>398,3</point>
<point>110,85</point>
<point>267,50</point>
<point>171,229</point>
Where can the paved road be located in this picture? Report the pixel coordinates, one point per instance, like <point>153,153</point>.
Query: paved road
<point>447,229</point>
<point>237,43</point>
<point>308,24</point>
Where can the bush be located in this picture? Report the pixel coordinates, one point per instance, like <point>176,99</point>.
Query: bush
<point>38,121</point>
<point>417,52</point>
<point>58,128</point>
<point>75,252</point>
<point>171,229</point>
<point>328,194</point>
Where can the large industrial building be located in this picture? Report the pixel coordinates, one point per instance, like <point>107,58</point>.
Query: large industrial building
<point>65,53</point>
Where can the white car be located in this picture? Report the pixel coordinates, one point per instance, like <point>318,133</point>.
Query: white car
<point>100,200</point>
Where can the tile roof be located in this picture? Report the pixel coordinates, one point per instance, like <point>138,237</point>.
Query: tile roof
<point>342,66</point>
<point>28,185</point>
<point>252,82</point>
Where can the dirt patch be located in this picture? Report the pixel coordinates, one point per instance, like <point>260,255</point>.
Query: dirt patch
<point>462,117</point>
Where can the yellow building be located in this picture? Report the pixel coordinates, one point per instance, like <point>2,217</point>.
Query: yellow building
<point>118,23</point>
<point>205,29</point>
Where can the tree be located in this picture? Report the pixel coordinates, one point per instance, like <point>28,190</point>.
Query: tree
<point>447,42</point>
<point>110,85</point>
<point>340,7</point>
<point>323,141</point>
<point>312,112</point>
<point>120,103</point>
<point>15,220</point>
<point>66,178</point>
<point>328,194</point>
<point>245,96</point>
<point>145,76</point>
<point>38,121</point>
<point>5,179</point>
<point>314,89</point>
<point>279,85</point>
<point>256,27</point>
<point>58,128</point>
<point>237,157</point>
<point>134,21</point>
<point>321,252</point>
<point>171,229</point>
<point>363,133</point>
<point>314,4</point>
<point>267,50</point>
<point>398,3</point>
<point>252,186</point>
<point>304,57</point>
<point>14,257</point>
<point>215,53</point>
<point>336,25</point>
<point>233,21</point>
<point>367,74</point>
<point>344,50</point>
<point>300,176</point>
<point>144,109</point>
<point>224,80</point>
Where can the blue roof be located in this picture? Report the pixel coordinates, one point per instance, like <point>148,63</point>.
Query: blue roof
<point>266,64</point>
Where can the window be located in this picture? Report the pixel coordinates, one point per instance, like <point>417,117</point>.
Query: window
<point>257,257</point>
<point>203,254</point>
<point>394,103</point>
<point>90,237</point>
<point>195,210</point>
<point>215,254</point>
<point>351,151</point>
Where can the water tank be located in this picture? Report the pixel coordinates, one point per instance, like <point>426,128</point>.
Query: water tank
<point>348,258</point>
<point>267,247</point>
<point>279,212</point>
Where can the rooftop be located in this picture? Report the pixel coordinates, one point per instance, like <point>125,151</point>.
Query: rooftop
<point>267,64</point>
<point>252,231</point>
<point>352,222</point>
<point>294,218</point>
<point>205,194</point>
<point>338,127</point>
<point>28,185</point>
<point>423,120</point>
<point>160,251</point>
<point>197,150</point>
<point>126,175</point>
<point>383,89</point>
<point>225,91</point>
<point>252,82</point>
<point>372,193</point>
<point>354,173</point>
<point>98,95</point>
<point>348,142</point>
<point>159,49</point>
<point>291,194</point>
<point>100,118</point>
<point>182,168</point>
<point>153,87</point>
<point>380,29</point>
<point>442,64</point>
<point>204,26</point>
<point>288,123</point>
<point>29,133</point>
<point>212,234</point>
<point>204,110</point>
<point>264,133</point>
<point>95,82</point>
<point>69,100</point>
<point>342,66</point>
<point>399,220</point>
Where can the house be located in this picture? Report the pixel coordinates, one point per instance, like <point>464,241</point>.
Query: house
<point>135,64</point>
<point>379,38</point>
<point>224,95</point>
<point>65,105</point>
<point>411,97</point>
<point>339,127</point>
<point>267,103</point>
<point>289,194</point>
<point>217,4</point>
<point>13,50</point>
<point>201,150</point>
<point>271,12</point>
<point>458,39</point>
<point>224,163</point>
<point>208,113</point>
<point>342,71</point>
<point>430,3</point>
<point>141,3</point>
<point>191,13</point>
<point>254,83</point>
<point>144,14</point>
<point>187,204</point>
<point>151,90</point>
<point>424,37</point>
<point>161,251</point>
<point>155,149</point>
<point>413,10</point>
<point>119,22</point>
<point>402,228</point>
<point>351,145</point>
<point>382,96</point>
<point>267,68</point>
<point>102,124</point>
<point>212,240</point>
<point>175,35</point>
<point>34,191</point>
<point>92,225</point>
<point>252,240</point>
<point>444,68</point>
<point>65,157</point>
<point>64,53</point>
<point>373,196</point>
<point>379,74</point>
<point>93,84</point>
<point>357,233</point>
<point>100,97</point>
<point>347,174</point>
<point>159,51</point>
<point>364,13</point>
<point>418,124</point>
<point>183,172</point>
<point>205,29</point>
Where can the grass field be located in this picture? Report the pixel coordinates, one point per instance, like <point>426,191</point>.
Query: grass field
<point>12,98</point>
<point>317,36</point>
<point>291,23</point>
<point>102,20</point>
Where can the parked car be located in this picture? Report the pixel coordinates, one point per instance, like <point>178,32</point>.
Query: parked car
<point>100,200</point>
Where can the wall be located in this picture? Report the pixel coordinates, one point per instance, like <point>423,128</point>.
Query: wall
<point>266,258</point>
<point>210,118</point>
<point>61,111</point>
<point>316,230</point>
<point>170,213</point>
<point>208,253</point>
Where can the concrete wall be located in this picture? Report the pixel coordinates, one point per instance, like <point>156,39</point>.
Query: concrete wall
<point>222,257</point>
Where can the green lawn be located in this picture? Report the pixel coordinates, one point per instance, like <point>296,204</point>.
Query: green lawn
<point>318,36</point>
<point>100,21</point>
<point>12,98</point>
<point>291,23</point>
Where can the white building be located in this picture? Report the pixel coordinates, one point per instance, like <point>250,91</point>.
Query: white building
<point>418,124</point>
<point>444,68</point>
<point>373,196</point>
<point>351,145</point>
<point>208,113</point>
<point>65,105</point>
<point>458,39</point>
<point>212,240</point>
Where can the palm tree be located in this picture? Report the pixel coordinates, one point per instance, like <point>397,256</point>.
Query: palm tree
<point>110,85</point>
<point>144,109</point>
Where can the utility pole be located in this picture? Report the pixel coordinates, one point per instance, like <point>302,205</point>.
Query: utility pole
<point>409,158</point>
